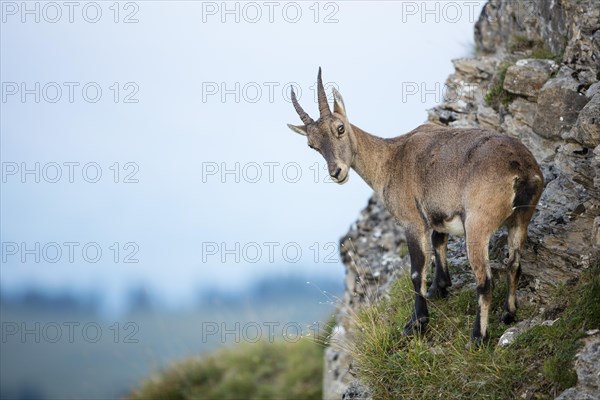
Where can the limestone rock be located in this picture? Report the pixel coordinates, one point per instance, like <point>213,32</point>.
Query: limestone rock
<point>587,127</point>
<point>337,375</point>
<point>592,90</point>
<point>559,103</point>
<point>523,111</point>
<point>488,117</point>
<point>583,49</point>
<point>474,67</point>
<point>356,391</point>
<point>542,149</point>
<point>596,232</point>
<point>535,21</point>
<point>511,334</point>
<point>587,366</point>
<point>527,76</point>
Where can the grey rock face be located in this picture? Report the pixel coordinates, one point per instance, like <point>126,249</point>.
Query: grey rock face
<point>356,391</point>
<point>482,69</point>
<point>596,233</point>
<point>587,127</point>
<point>537,21</point>
<point>556,115</point>
<point>583,50</point>
<point>587,366</point>
<point>558,106</point>
<point>487,117</point>
<point>593,89</point>
<point>527,76</point>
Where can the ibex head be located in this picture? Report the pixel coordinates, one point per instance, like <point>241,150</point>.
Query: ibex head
<point>331,135</point>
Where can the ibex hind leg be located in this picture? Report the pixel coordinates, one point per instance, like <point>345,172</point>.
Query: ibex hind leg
<point>441,279</point>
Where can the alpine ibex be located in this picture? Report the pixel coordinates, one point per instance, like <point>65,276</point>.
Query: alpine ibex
<point>437,181</point>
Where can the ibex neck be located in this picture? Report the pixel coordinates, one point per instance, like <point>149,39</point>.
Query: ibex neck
<point>371,153</point>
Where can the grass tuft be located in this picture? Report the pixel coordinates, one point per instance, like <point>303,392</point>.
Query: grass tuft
<point>279,370</point>
<point>444,364</point>
<point>535,48</point>
<point>497,96</point>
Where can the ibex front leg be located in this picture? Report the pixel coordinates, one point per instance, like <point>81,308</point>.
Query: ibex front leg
<point>418,248</point>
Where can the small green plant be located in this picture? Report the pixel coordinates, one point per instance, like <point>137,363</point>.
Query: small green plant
<point>496,95</point>
<point>521,43</point>
<point>444,364</point>
<point>535,48</point>
<point>542,53</point>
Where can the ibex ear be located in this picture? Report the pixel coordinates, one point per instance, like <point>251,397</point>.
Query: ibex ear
<point>300,129</point>
<point>338,103</point>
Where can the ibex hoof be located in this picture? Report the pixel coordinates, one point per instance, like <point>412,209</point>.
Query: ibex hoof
<point>416,326</point>
<point>479,341</point>
<point>436,292</point>
<point>508,318</point>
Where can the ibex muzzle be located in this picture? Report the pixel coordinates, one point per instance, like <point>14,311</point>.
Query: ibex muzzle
<point>438,181</point>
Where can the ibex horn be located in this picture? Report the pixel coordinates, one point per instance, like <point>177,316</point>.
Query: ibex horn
<point>323,105</point>
<point>303,115</point>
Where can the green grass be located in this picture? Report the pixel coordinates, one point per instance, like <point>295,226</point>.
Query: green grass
<point>542,53</point>
<point>403,249</point>
<point>535,48</point>
<point>278,370</point>
<point>444,364</point>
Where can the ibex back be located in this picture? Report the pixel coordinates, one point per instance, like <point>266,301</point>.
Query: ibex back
<point>437,181</point>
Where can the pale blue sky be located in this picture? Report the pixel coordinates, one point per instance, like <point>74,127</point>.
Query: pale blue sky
<point>174,58</point>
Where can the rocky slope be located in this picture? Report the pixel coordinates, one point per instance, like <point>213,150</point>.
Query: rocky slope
<point>536,77</point>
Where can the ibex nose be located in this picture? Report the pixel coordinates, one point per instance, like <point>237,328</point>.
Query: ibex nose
<point>337,173</point>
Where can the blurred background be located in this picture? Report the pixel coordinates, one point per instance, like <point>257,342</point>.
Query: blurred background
<point>154,205</point>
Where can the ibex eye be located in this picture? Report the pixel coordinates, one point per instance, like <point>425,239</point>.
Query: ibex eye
<point>341,129</point>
